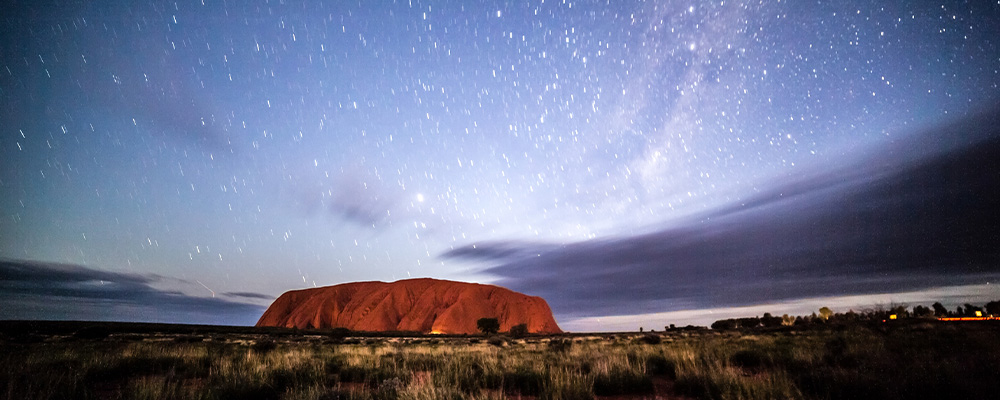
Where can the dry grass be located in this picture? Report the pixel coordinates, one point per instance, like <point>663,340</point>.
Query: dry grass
<point>943,362</point>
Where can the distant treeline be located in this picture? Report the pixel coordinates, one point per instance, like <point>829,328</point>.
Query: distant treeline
<point>827,316</point>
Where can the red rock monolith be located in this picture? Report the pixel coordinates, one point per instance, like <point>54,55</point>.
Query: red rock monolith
<point>414,305</point>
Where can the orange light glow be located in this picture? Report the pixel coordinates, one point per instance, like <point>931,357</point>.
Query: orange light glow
<point>970,319</point>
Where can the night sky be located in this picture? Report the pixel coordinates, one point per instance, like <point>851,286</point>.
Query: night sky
<point>631,162</point>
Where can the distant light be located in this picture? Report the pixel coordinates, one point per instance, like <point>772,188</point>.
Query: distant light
<point>420,197</point>
<point>979,313</point>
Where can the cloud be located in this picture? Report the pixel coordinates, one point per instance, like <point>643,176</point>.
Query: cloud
<point>893,221</point>
<point>352,196</point>
<point>250,295</point>
<point>43,290</point>
<point>494,251</point>
<point>34,271</point>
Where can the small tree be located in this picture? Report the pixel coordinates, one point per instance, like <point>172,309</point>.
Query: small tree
<point>488,325</point>
<point>770,321</point>
<point>900,311</point>
<point>519,331</point>
<point>970,310</point>
<point>921,311</point>
<point>724,324</point>
<point>939,310</point>
<point>993,307</point>
<point>825,313</point>
<point>851,316</point>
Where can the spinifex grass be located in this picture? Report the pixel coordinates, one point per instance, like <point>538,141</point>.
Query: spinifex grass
<point>941,361</point>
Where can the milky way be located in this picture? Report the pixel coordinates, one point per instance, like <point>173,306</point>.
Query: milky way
<point>236,150</point>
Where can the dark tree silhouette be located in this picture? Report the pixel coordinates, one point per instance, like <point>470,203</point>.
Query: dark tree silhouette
<point>921,311</point>
<point>939,310</point>
<point>770,321</point>
<point>488,325</point>
<point>724,324</point>
<point>993,308</point>
<point>519,331</point>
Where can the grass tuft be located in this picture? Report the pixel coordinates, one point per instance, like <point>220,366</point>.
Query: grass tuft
<point>622,381</point>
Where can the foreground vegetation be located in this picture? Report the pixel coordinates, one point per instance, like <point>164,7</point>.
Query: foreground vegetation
<point>884,361</point>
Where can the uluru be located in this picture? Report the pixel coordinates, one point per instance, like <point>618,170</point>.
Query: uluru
<point>414,305</point>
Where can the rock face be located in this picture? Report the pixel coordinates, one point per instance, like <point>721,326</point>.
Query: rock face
<point>417,305</point>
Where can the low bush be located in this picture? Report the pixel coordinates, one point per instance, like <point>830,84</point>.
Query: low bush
<point>622,381</point>
<point>519,331</point>
<point>524,381</point>
<point>560,345</point>
<point>657,364</point>
<point>498,341</point>
<point>749,359</point>
<point>650,339</point>
<point>264,346</point>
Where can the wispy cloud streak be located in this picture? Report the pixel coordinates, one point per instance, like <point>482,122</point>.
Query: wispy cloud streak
<point>43,290</point>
